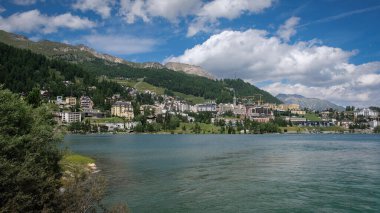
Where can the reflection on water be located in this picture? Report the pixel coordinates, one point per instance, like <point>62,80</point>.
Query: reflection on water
<point>240,173</point>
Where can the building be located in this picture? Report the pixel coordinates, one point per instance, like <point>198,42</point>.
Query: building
<point>298,112</point>
<point>59,100</point>
<point>208,107</point>
<point>366,112</point>
<point>259,111</point>
<point>86,103</point>
<point>71,101</point>
<point>240,110</point>
<point>262,119</point>
<point>122,109</point>
<point>120,126</point>
<point>222,108</point>
<point>373,124</point>
<point>70,117</point>
<point>286,107</point>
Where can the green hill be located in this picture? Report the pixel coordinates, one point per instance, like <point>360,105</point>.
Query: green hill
<point>98,64</point>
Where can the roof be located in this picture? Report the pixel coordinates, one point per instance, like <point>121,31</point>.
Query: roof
<point>122,103</point>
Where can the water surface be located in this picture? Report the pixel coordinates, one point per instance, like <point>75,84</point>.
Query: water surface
<point>238,173</point>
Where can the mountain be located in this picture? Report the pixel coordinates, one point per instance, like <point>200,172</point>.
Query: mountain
<point>310,103</point>
<point>189,69</point>
<point>56,50</point>
<point>82,53</point>
<point>185,80</point>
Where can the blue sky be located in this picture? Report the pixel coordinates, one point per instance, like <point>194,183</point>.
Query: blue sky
<point>318,48</point>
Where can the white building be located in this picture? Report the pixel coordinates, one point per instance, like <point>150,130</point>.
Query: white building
<point>225,108</point>
<point>70,117</point>
<point>374,123</point>
<point>121,126</point>
<point>208,107</point>
<point>366,112</point>
<point>59,100</point>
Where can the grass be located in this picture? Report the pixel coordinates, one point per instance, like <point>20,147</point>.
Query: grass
<point>191,98</point>
<point>312,117</point>
<point>75,159</point>
<point>309,128</point>
<point>141,86</point>
<point>74,166</point>
<point>205,129</point>
<point>105,120</point>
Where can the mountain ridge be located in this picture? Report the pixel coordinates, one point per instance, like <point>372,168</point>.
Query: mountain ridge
<point>310,103</point>
<point>159,75</point>
<point>81,52</point>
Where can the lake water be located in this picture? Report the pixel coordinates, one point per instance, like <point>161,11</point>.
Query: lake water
<point>238,173</point>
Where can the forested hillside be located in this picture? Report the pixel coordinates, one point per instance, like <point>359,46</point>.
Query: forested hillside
<point>21,70</point>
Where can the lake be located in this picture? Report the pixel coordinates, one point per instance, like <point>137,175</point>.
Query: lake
<point>238,173</point>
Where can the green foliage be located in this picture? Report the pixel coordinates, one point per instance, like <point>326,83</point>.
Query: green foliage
<point>80,127</point>
<point>180,82</point>
<point>377,130</point>
<point>202,117</point>
<point>30,173</point>
<point>34,97</point>
<point>246,89</point>
<point>197,128</point>
<point>312,117</point>
<point>280,122</point>
<point>76,159</point>
<point>22,71</point>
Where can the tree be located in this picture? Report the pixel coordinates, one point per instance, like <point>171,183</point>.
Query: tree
<point>30,174</point>
<point>376,129</point>
<point>34,97</point>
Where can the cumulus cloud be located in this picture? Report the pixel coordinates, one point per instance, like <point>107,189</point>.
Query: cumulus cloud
<point>101,7</point>
<point>24,2</point>
<point>308,68</point>
<point>287,30</point>
<point>120,44</point>
<point>209,14</point>
<point>34,21</point>
<point>206,14</point>
<point>2,9</point>
<point>131,10</point>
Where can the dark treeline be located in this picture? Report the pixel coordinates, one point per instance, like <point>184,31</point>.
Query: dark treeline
<point>218,90</point>
<point>21,71</point>
<point>246,89</point>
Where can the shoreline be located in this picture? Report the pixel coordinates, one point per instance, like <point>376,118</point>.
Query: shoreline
<point>283,133</point>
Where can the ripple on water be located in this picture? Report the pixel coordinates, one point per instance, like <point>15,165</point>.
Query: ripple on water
<point>243,173</point>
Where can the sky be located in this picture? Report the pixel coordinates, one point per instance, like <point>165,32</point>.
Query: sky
<point>326,49</point>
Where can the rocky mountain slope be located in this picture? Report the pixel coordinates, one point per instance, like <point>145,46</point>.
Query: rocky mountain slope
<point>82,53</point>
<point>189,69</point>
<point>311,103</point>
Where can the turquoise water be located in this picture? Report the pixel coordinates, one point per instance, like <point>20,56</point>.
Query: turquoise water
<point>238,173</point>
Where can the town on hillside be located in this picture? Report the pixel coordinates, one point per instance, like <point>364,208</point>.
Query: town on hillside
<point>149,112</point>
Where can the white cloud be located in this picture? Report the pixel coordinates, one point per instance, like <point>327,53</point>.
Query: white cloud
<point>101,7</point>
<point>131,10</point>
<point>307,67</point>
<point>343,94</point>
<point>287,30</point>
<point>34,21</point>
<point>24,2</point>
<point>2,9</point>
<point>173,9</point>
<point>205,14</point>
<point>120,44</point>
<point>214,10</point>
